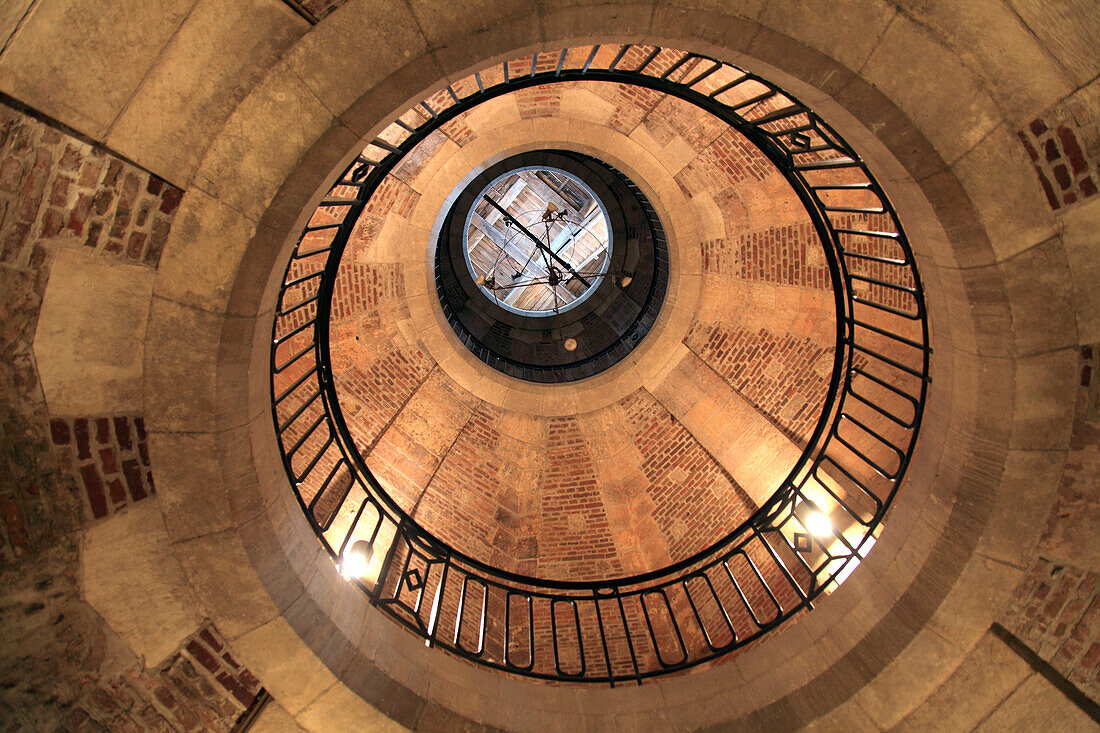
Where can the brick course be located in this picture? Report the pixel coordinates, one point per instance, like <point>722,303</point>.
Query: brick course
<point>1064,146</point>
<point>109,456</point>
<point>55,186</point>
<point>1055,609</point>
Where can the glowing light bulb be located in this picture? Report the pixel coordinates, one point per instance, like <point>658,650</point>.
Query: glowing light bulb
<point>570,344</point>
<point>819,524</point>
<point>357,559</point>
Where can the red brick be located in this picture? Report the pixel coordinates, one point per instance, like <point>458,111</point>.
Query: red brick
<point>59,431</point>
<point>102,430</point>
<point>83,442</point>
<point>116,492</point>
<point>202,656</point>
<point>170,201</point>
<point>79,214</point>
<point>122,433</point>
<point>93,488</point>
<point>132,473</point>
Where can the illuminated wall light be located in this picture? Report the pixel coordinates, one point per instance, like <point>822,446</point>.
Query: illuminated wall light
<point>356,560</point>
<point>819,524</point>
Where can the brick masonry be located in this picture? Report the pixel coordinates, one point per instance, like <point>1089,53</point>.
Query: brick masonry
<point>61,666</point>
<point>109,457</point>
<point>54,187</point>
<point>202,686</point>
<point>1064,146</point>
<point>784,377</point>
<point>1055,609</point>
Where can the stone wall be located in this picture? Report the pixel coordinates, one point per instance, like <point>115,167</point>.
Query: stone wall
<point>1055,609</point>
<point>62,666</point>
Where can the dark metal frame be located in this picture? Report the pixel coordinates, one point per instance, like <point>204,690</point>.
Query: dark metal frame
<point>761,573</point>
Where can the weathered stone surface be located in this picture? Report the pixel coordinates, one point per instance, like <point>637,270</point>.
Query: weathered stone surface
<point>88,343</point>
<point>987,675</point>
<point>153,581</point>
<point>173,115</point>
<point>1067,30</point>
<point>1036,704</point>
<point>115,46</point>
<point>954,111</point>
<point>1080,240</point>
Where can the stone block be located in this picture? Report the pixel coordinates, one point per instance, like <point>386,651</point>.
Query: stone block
<point>225,582</point>
<point>846,32</point>
<point>992,40</point>
<point>1036,705</point>
<point>1044,400</point>
<point>288,668</point>
<point>931,85</point>
<point>180,368</point>
<point>1026,491</point>
<point>1081,238</point>
<point>205,246</point>
<point>190,489</point>
<point>107,53</point>
<point>1041,294</point>
<point>987,674</point>
<point>262,142</point>
<point>338,708</point>
<point>88,343</point>
<point>1068,30</point>
<point>1000,181</point>
<point>275,719</point>
<point>204,72</point>
<point>128,564</point>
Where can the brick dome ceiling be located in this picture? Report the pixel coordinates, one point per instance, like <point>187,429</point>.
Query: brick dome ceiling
<point>630,487</point>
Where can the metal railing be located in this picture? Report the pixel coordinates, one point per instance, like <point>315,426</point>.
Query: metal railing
<point>755,578</point>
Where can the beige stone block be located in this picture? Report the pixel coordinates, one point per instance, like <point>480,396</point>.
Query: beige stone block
<point>181,360</point>
<point>1037,705</point>
<point>226,583</point>
<point>1000,181</point>
<point>907,681</point>
<point>1068,29</point>
<point>340,709</point>
<point>262,142</point>
<point>845,31</point>
<point>12,14</point>
<point>1040,295</point>
<point>1027,489</point>
<point>932,86</point>
<point>1081,238</point>
<point>275,719</point>
<point>1044,400</point>
<point>80,60</point>
<point>750,9</point>
<point>88,342</point>
<point>848,717</point>
<point>205,246</point>
<point>584,104</point>
<point>127,565</point>
<point>988,673</point>
<point>190,488</point>
<point>993,41</point>
<point>584,19</point>
<point>977,596</point>
<point>288,668</point>
<point>355,49</point>
<point>203,73</point>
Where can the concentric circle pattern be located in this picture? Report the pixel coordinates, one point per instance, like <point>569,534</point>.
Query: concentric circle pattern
<point>678,523</point>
